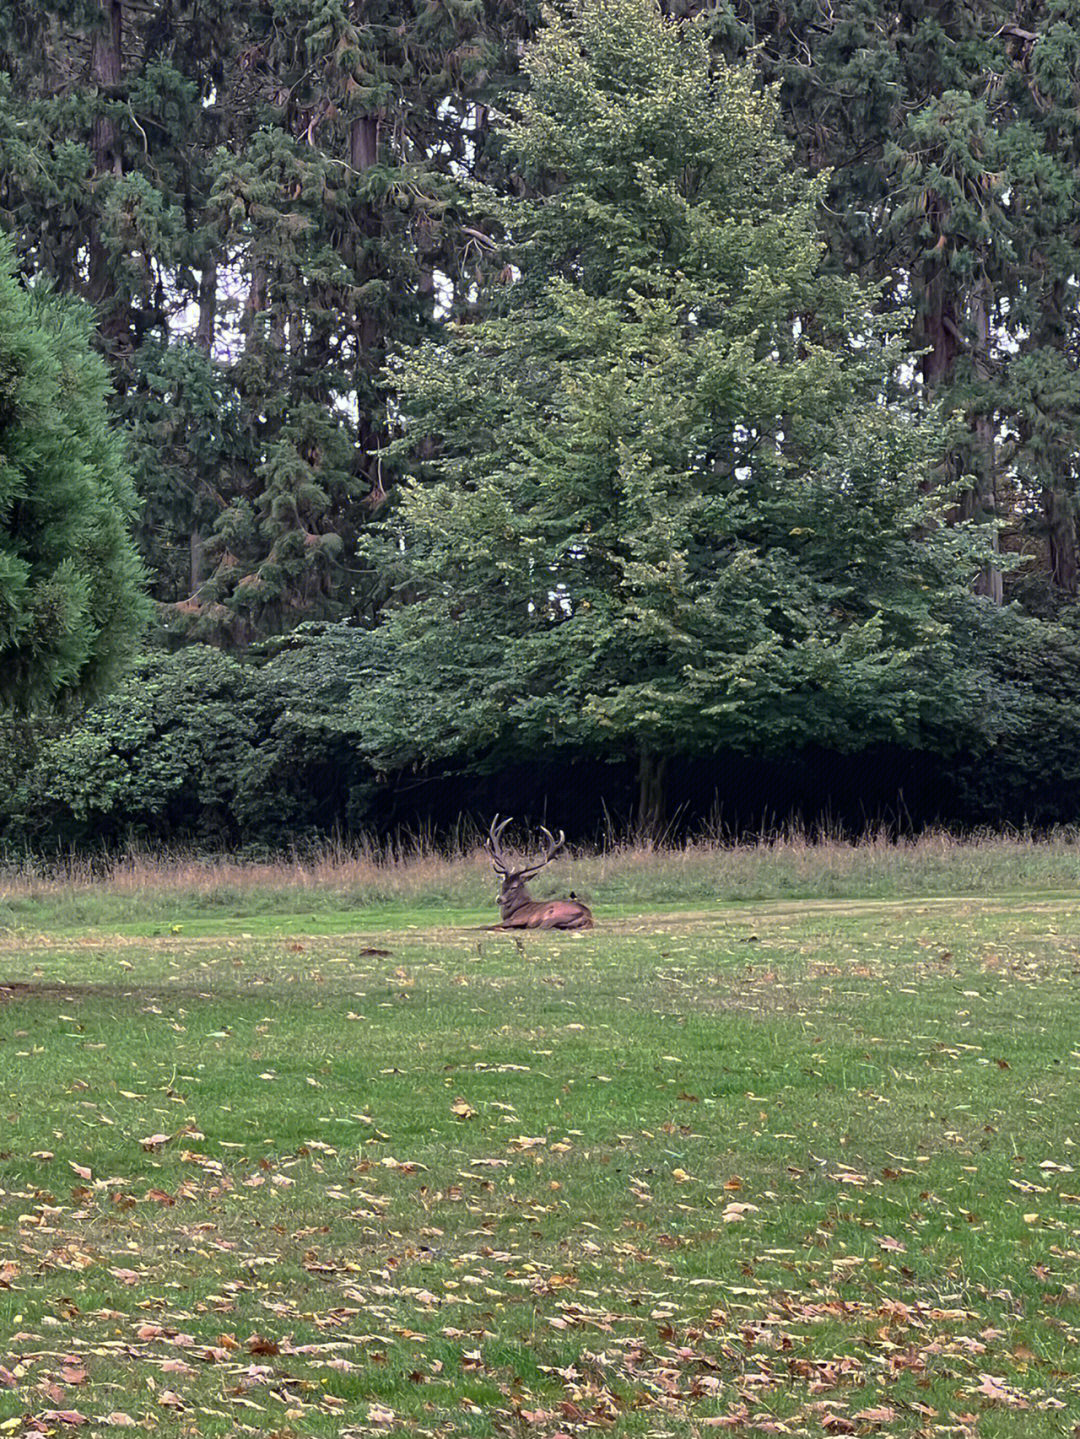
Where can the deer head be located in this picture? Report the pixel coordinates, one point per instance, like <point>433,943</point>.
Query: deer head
<point>516,905</point>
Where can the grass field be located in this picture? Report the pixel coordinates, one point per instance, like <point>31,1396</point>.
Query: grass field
<point>795,1167</point>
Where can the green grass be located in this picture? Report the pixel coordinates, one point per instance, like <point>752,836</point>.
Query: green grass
<point>804,1168</point>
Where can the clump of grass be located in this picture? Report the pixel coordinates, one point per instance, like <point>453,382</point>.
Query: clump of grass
<point>416,874</point>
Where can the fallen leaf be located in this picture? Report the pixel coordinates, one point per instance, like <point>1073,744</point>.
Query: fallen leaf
<point>995,1389</point>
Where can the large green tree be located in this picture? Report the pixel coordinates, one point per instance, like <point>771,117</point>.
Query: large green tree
<point>71,602</point>
<point>674,498</point>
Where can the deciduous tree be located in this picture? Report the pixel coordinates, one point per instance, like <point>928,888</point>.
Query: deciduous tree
<point>677,498</point>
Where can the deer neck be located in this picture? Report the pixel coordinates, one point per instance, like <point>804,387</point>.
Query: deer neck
<point>514,899</point>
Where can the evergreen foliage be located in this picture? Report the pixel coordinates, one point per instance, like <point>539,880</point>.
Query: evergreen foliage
<point>71,605</point>
<point>951,138</point>
<point>259,200</point>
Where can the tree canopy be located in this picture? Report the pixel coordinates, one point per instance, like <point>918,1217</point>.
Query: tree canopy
<point>507,392</point>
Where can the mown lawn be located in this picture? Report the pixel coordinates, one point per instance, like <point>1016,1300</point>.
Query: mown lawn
<point>795,1168</point>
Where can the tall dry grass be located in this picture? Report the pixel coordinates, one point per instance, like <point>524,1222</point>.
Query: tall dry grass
<point>419,875</point>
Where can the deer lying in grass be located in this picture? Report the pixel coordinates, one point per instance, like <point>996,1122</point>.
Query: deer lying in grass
<point>516,905</point>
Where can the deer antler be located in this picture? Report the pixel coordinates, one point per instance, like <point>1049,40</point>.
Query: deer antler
<point>492,843</point>
<point>553,847</point>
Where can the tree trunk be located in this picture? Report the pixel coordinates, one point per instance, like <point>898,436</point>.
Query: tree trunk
<point>938,338</point>
<point>652,794</point>
<point>937,330</point>
<point>1059,513</point>
<point>980,503</point>
<point>204,331</point>
<point>255,300</point>
<point>1058,496</point>
<point>106,70</point>
<point>198,559</point>
<point>363,153</point>
<point>364,142</point>
<point>371,435</point>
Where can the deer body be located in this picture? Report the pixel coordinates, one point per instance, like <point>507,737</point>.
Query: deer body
<point>517,907</point>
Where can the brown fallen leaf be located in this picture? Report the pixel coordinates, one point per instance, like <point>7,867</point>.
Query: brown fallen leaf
<point>64,1416</point>
<point>119,1420</point>
<point>735,1213</point>
<point>879,1414</point>
<point>995,1389</point>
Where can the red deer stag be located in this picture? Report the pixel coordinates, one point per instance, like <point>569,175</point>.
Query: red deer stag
<point>518,908</point>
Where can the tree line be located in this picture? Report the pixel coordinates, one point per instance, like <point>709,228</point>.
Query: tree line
<point>609,395</point>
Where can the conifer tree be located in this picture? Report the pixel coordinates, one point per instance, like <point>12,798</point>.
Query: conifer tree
<point>951,137</point>
<point>258,200</point>
<point>71,604</point>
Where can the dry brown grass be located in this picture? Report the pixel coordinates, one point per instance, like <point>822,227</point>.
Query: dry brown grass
<point>419,875</point>
<point>137,873</point>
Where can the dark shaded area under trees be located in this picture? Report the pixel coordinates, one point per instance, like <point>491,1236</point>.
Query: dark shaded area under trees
<point>550,419</point>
